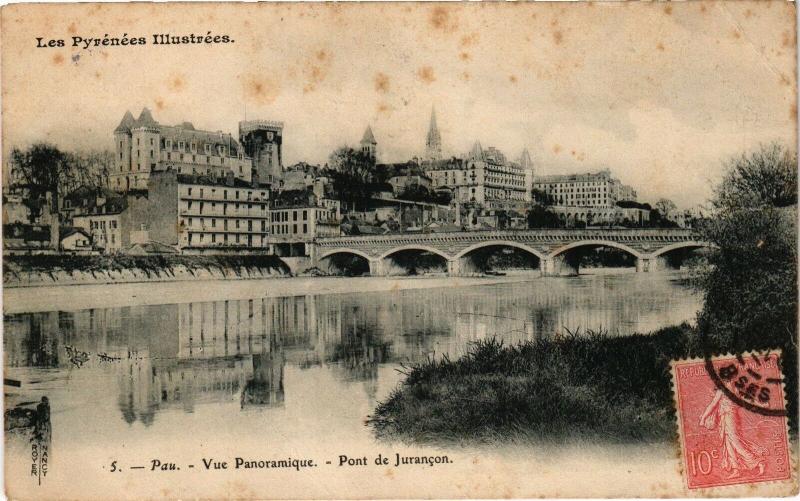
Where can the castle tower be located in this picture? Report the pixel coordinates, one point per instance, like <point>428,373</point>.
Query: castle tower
<point>122,159</point>
<point>433,143</point>
<point>368,143</point>
<point>262,141</point>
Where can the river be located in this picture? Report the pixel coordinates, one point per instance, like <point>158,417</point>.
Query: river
<point>280,376</point>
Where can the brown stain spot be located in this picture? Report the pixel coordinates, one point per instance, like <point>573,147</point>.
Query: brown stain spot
<point>58,59</point>
<point>464,56</point>
<point>475,461</point>
<point>441,20</point>
<point>703,8</point>
<point>558,37</point>
<point>748,13</point>
<point>469,40</point>
<point>785,80</point>
<point>466,76</point>
<point>381,83</point>
<point>736,34</point>
<point>793,112</point>
<point>160,105</point>
<point>385,109</point>
<point>787,39</point>
<point>512,78</point>
<point>557,149</point>
<point>316,70</point>
<point>72,29</point>
<point>426,74</point>
<point>668,10</point>
<point>262,90</point>
<point>177,83</point>
<point>660,46</point>
<point>389,473</point>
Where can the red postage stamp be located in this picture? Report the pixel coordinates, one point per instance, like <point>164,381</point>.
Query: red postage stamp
<point>732,420</point>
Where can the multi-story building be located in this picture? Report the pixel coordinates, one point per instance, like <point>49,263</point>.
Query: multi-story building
<point>143,145</point>
<point>595,190</point>
<point>201,214</point>
<point>104,227</point>
<point>301,216</point>
<point>626,193</point>
<point>96,211</point>
<point>484,177</point>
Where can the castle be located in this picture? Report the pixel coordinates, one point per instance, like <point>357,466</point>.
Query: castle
<point>143,146</point>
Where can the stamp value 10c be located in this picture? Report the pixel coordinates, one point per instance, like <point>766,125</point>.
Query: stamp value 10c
<point>732,420</point>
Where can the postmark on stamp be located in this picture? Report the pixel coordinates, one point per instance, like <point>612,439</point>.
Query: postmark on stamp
<point>732,420</point>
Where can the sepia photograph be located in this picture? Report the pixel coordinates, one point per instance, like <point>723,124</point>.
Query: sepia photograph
<point>399,250</point>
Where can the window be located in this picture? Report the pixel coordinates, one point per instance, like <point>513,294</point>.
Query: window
<point>305,228</point>
<point>168,144</point>
<point>194,147</point>
<point>237,223</point>
<point>182,146</point>
<point>151,141</point>
<point>305,215</point>
<point>207,149</point>
<point>213,223</point>
<point>294,228</point>
<point>294,215</point>
<point>190,192</point>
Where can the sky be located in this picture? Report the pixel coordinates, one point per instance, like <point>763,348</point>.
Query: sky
<point>661,94</point>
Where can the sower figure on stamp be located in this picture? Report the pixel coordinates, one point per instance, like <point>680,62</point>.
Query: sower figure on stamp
<point>737,452</point>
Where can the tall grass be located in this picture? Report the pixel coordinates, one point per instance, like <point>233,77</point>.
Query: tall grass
<point>592,385</point>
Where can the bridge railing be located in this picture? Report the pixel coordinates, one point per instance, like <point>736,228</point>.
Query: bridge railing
<point>544,234</point>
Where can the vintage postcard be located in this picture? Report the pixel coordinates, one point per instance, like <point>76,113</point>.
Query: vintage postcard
<point>399,250</point>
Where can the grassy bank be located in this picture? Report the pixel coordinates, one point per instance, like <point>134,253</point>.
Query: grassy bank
<point>151,265</point>
<point>593,386</point>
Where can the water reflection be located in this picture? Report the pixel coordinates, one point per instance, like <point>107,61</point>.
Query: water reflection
<point>180,356</point>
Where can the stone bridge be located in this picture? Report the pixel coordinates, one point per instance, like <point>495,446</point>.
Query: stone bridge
<point>550,246</point>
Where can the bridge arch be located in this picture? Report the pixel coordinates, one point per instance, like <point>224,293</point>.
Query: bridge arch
<point>501,243</point>
<point>691,244</point>
<point>601,243</point>
<point>343,250</point>
<point>417,247</point>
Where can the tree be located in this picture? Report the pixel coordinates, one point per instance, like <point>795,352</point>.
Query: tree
<point>91,167</point>
<point>44,169</point>
<point>353,172</point>
<point>764,178</point>
<point>750,287</point>
<point>542,198</point>
<point>542,217</point>
<point>665,206</point>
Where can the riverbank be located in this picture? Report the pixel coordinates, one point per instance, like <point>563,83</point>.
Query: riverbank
<point>576,385</point>
<point>65,269</point>
<point>78,297</point>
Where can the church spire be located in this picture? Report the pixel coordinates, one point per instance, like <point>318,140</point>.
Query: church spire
<point>433,143</point>
<point>368,143</point>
